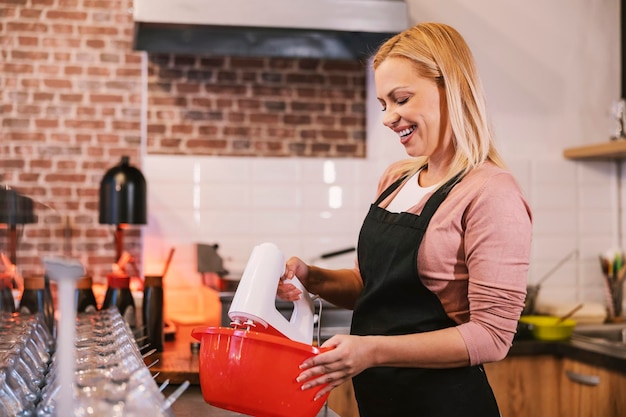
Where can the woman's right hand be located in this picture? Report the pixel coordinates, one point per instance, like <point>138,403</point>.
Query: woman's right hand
<point>294,267</point>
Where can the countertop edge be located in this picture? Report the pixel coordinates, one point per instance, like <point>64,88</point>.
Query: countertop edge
<point>590,353</point>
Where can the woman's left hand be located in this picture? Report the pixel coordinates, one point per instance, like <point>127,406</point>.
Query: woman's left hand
<point>351,355</point>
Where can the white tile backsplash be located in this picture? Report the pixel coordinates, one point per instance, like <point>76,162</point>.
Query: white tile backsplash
<point>283,200</point>
<point>275,170</point>
<point>231,196</point>
<point>276,196</point>
<point>554,222</point>
<point>598,223</point>
<point>596,196</point>
<point>557,170</point>
<point>596,173</point>
<point>555,196</point>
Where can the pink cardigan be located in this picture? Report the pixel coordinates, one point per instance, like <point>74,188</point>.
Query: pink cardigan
<point>475,256</point>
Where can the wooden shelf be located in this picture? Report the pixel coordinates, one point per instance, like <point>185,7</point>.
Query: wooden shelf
<point>599,151</point>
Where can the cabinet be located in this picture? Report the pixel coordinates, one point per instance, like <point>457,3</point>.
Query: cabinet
<point>341,400</point>
<point>526,386</point>
<point>545,385</point>
<point>591,391</point>
<point>536,386</point>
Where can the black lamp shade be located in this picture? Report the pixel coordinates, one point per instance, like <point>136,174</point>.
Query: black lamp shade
<point>123,195</point>
<point>15,208</point>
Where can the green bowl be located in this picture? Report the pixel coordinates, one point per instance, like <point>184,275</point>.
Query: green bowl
<point>548,327</point>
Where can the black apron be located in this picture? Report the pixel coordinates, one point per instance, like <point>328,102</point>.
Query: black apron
<point>394,301</point>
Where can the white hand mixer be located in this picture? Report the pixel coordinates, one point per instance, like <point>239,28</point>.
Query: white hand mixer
<point>254,302</point>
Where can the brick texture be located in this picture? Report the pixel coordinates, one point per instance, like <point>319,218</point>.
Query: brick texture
<point>69,112</point>
<point>255,106</point>
<point>71,94</point>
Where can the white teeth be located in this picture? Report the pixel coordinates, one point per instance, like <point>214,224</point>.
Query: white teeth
<point>406,132</point>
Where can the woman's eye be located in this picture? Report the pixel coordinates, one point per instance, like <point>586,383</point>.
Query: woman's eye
<point>396,101</point>
<point>402,100</point>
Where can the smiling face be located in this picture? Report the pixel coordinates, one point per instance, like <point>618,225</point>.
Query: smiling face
<point>415,109</point>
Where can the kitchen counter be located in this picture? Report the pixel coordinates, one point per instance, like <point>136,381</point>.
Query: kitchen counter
<point>191,404</point>
<point>590,353</point>
<point>176,363</point>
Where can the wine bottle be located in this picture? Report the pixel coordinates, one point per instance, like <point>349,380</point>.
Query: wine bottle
<point>152,311</point>
<point>84,299</point>
<point>34,301</point>
<point>118,294</point>
<point>48,305</point>
<point>7,302</point>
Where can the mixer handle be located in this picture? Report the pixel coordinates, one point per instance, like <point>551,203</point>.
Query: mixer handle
<point>304,304</point>
<point>299,285</point>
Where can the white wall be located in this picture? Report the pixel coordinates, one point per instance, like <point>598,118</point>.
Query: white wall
<point>550,69</point>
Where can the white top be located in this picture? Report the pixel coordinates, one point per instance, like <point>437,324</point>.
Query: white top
<point>409,195</point>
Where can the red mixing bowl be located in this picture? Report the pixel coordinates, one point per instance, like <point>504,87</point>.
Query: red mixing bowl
<point>255,373</point>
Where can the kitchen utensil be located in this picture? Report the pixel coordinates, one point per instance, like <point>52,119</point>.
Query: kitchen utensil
<point>126,259</point>
<point>549,328</point>
<point>335,259</point>
<point>252,367</point>
<point>167,262</point>
<point>254,373</point>
<point>211,266</point>
<point>569,313</point>
<point>532,290</point>
<point>337,252</point>
<point>254,303</point>
<point>614,271</point>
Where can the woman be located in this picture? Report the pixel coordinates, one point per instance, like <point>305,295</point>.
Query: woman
<point>442,254</point>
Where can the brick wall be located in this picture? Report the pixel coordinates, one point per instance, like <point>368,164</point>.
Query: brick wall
<point>71,95</point>
<point>71,92</point>
<point>256,106</point>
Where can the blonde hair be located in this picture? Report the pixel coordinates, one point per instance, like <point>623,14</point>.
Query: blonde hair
<point>440,53</point>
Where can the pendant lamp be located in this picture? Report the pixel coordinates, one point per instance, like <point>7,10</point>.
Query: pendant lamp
<point>15,209</point>
<point>123,195</point>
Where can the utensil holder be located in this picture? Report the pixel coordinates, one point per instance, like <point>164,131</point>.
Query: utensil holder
<point>615,298</point>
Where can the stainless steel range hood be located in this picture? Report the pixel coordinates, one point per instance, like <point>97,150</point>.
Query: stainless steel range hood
<point>333,29</point>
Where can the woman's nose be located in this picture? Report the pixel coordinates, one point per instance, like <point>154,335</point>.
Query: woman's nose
<point>390,119</point>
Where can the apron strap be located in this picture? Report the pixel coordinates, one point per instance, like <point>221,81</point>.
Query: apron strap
<point>389,190</point>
